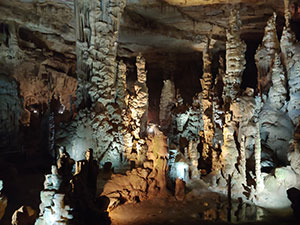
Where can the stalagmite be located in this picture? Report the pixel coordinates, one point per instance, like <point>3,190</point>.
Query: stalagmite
<point>257,155</point>
<point>265,55</point>
<point>229,150</point>
<point>288,38</point>
<point>167,102</point>
<point>207,107</point>
<point>193,156</point>
<point>278,92</point>
<point>137,112</point>
<point>99,127</point>
<point>235,58</point>
<point>52,208</point>
<point>242,166</point>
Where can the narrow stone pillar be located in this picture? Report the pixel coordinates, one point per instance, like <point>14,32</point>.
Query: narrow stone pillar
<point>265,55</point>
<point>235,59</point>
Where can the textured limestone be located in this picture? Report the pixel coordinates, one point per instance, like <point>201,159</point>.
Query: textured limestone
<point>265,55</point>
<point>51,81</point>
<point>167,102</point>
<point>278,90</point>
<point>23,216</point>
<point>135,119</point>
<point>141,183</point>
<point>97,25</point>
<point>11,109</point>
<point>235,59</point>
<point>193,156</point>
<point>53,209</point>
<point>294,152</point>
<point>207,104</point>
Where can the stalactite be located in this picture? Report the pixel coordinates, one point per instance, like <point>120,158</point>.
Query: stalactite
<point>235,59</point>
<point>265,55</point>
<point>167,102</point>
<point>278,91</point>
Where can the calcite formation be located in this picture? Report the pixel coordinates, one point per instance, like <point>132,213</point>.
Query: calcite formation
<point>207,104</point>
<point>278,91</point>
<point>96,46</point>
<point>142,183</point>
<point>167,102</point>
<point>193,155</point>
<point>137,111</point>
<point>53,209</point>
<point>11,109</point>
<point>24,215</point>
<point>265,55</point>
<point>235,58</point>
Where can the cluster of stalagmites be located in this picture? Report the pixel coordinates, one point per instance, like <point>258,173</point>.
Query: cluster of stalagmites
<point>230,128</point>
<point>142,183</point>
<point>69,197</point>
<point>116,122</point>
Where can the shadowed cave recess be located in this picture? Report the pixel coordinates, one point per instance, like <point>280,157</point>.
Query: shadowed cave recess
<point>139,112</point>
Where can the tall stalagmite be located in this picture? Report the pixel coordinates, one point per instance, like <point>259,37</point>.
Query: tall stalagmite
<point>97,25</point>
<point>278,90</point>
<point>235,58</point>
<point>207,107</point>
<point>265,55</point>
<point>137,114</point>
<point>167,102</point>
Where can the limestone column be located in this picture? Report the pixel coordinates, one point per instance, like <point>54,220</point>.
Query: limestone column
<point>257,156</point>
<point>235,59</point>
<point>278,91</point>
<point>207,104</point>
<point>167,101</point>
<point>97,26</point>
<point>138,113</point>
<point>265,55</point>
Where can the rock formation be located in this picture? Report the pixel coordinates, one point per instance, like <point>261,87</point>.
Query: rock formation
<point>207,115</point>
<point>137,111</point>
<point>3,201</point>
<point>53,209</point>
<point>265,55</point>
<point>23,216</point>
<point>167,102</point>
<point>141,183</point>
<point>235,59</point>
<point>278,91</point>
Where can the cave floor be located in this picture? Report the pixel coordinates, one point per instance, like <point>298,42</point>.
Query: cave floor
<point>193,210</point>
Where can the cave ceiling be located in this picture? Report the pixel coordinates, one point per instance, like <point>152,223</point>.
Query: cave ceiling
<point>148,26</point>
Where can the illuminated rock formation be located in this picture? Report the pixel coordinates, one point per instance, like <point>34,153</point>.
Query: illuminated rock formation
<point>207,105</point>
<point>193,156</point>
<point>265,55</point>
<point>97,25</point>
<point>139,184</point>
<point>167,102</point>
<point>235,59</point>
<point>53,209</point>
<point>136,118</point>
<point>24,215</point>
<point>3,201</point>
<point>278,92</point>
